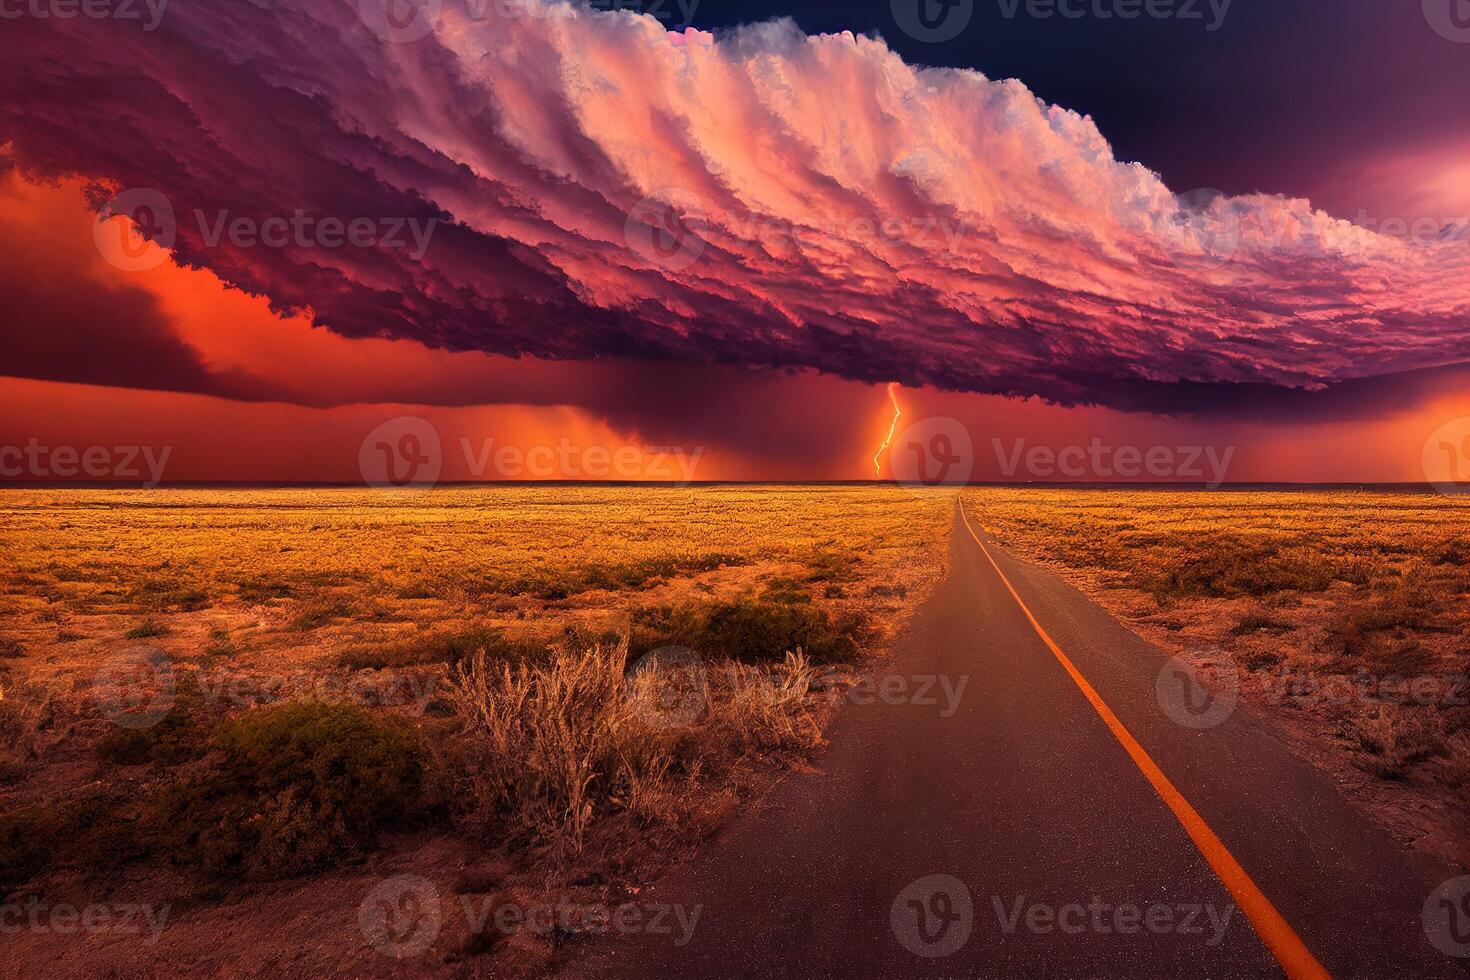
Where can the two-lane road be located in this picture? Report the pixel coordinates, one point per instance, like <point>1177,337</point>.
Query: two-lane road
<point>1051,821</point>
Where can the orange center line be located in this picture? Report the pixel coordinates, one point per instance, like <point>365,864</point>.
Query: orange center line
<point>1283,942</point>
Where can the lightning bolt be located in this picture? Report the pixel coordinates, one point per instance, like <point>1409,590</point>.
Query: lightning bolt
<point>892,428</point>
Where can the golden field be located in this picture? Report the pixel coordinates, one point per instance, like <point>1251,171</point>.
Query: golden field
<point>289,578</point>
<point>262,704</point>
<point>258,699</point>
<point>1343,616</point>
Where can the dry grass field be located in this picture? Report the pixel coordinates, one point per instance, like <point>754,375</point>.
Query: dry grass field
<point>296,579</point>
<point>1343,616</point>
<point>251,708</point>
<point>243,702</point>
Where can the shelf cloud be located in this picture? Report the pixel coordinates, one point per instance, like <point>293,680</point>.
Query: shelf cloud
<point>536,178</point>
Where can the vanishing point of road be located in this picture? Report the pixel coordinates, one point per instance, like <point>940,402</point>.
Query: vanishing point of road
<point>1052,821</point>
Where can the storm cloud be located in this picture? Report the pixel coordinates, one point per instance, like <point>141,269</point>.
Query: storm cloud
<point>597,187</point>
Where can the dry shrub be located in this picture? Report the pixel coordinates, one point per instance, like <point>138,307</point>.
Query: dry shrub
<point>1226,565</point>
<point>1259,623</point>
<point>1400,658</point>
<point>546,741</point>
<point>764,711</point>
<point>548,747</point>
<point>293,788</point>
<point>1354,632</point>
<point>147,630</point>
<point>314,613</point>
<point>561,583</point>
<point>449,648</point>
<point>1457,765</point>
<point>1397,740</point>
<point>754,630</point>
<point>33,837</point>
<point>27,712</point>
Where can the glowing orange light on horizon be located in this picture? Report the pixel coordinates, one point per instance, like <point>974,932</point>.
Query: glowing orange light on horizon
<point>892,428</point>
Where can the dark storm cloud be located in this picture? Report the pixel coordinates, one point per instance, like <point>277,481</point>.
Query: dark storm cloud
<point>595,187</point>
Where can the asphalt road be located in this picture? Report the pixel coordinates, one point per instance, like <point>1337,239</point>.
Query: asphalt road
<point>979,817</point>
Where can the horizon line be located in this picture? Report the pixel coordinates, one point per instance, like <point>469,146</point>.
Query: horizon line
<point>1424,486</point>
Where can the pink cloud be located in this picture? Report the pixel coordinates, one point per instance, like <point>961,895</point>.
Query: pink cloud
<point>598,187</point>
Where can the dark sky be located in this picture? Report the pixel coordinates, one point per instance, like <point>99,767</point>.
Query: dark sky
<point>1286,96</point>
